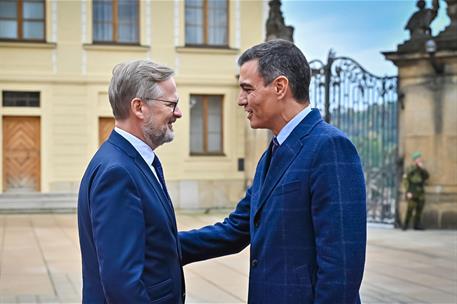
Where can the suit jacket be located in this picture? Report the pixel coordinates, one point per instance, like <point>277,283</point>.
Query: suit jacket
<point>127,231</point>
<point>305,221</point>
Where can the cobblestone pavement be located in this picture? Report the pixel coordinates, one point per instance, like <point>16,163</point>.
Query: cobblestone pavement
<point>40,263</point>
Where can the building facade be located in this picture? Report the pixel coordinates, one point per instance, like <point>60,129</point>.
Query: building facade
<point>56,59</point>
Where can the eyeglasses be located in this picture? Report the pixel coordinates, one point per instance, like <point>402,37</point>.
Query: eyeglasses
<point>169,103</point>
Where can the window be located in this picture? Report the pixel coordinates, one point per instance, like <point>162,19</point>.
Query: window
<point>22,19</point>
<point>115,21</point>
<point>206,124</point>
<point>207,22</point>
<point>21,99</point>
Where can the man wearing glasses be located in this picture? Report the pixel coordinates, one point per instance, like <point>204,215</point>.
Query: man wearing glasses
<point>127,225</point>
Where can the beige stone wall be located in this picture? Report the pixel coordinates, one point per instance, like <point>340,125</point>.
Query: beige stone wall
<point>73,75</point>
<point>428,123</point>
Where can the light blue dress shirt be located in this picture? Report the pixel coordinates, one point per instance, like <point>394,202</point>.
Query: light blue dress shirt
<point>290,126</point>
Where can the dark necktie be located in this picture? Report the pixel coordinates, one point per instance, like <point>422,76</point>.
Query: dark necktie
<point>158,167</point>
<point>274,145</point>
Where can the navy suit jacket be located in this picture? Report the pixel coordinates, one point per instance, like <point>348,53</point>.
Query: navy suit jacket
<point>127,231</point>
<point>305,221</point>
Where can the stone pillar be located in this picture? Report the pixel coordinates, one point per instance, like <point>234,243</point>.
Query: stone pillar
<point>427,71</point>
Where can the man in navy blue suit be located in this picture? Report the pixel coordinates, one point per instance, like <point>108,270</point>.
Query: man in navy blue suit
<point>305,213</point>
<point>127,228</point>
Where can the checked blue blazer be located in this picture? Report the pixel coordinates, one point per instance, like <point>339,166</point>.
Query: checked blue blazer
<point>127,231</point>
<point>305,221</point>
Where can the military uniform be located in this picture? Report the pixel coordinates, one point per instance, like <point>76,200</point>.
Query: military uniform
<point>414,181</point>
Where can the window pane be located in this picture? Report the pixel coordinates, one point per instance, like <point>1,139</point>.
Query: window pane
<point>194,22</point>
<point>194,35</point>
<point>8,9</point>
<point>21,99</point>
<point>214,143</point>
<point>194,17</point>
<point>217,22</point>
<point>127,33</point>
<point>103,20</point>
<point>128,21</point>
<point>214,123</point>
<point>217,36</point>
<point>103,11</point>
<point>33,10</point>
<point>217,4</point>
<point>127,10</point>
<point>196,124</point>
<point>33,30</point>
<point>103,32</point>
<point>8,29</point>
<point>194,3</point>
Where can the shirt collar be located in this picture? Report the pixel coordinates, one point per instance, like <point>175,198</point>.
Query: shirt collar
<point>290,126</point>
<point>145,151</point>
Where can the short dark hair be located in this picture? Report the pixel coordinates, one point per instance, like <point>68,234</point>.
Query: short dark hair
<point>281,58</point>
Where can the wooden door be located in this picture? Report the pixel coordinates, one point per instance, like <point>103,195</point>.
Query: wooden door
<point>21,154</point>
<point>105,126</point>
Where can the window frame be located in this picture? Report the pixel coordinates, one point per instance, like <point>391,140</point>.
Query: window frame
<point>20,22</point>
<point>205,126</point>
<point>18,93</point>
<point>115,24</point>
<point>205,43</point>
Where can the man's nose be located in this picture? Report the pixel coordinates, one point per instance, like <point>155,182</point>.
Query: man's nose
<point>242,100</point>
<point>177,112</point>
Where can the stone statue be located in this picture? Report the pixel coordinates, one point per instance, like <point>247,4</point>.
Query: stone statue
<point>276,29</point>
<point>419,23</point>
<point>447,39</point>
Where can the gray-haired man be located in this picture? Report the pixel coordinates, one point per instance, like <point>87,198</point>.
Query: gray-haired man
<point>127,226</point>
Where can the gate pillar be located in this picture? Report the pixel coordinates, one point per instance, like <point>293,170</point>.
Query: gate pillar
<point>427,70</point>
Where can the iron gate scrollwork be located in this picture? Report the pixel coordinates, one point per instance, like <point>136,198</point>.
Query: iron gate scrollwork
<point>364,106</point>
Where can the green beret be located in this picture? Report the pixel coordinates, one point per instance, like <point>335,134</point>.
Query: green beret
<point>416,155</point>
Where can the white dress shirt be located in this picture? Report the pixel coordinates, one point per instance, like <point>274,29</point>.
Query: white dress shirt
<point>145,151</point>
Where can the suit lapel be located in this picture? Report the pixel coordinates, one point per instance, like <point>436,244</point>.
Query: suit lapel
<point>119,141</point>
<point>281,160</point>
<point>155,184</point>
<point>285,155</point>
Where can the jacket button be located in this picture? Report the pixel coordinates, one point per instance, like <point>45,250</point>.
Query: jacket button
<point>254,263</point>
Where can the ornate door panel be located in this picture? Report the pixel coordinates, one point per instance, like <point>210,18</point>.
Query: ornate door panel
<point>105,126</point>
<point>21,154</point>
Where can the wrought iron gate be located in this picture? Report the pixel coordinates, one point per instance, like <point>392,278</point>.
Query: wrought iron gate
<point>364,106</point>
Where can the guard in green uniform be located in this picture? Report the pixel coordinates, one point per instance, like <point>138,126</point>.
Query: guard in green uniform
<point>414,181</point>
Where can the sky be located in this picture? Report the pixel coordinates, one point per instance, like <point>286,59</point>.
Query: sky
<point>360,29</point>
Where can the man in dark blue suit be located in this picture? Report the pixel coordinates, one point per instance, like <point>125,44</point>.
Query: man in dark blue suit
<point>305,213</point>
<point>127,228</point>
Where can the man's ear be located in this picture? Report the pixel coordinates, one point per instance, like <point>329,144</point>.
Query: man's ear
<point>136,106</point>
<point>281,86</point>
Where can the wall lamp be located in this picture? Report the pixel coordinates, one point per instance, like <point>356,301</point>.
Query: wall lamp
<point>430,48</point>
